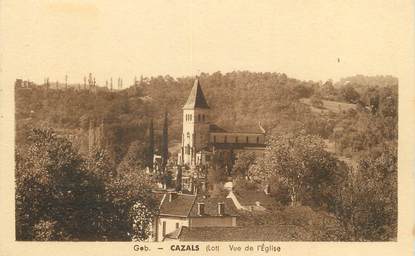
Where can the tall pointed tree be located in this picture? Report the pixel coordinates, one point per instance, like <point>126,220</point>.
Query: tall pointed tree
<point>150,151</point>
<point>165,143</point>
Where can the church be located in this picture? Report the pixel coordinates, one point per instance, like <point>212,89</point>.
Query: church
<point>203,140</point>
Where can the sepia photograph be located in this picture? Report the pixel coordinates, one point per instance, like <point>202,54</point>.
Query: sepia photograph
<point>205,121</point>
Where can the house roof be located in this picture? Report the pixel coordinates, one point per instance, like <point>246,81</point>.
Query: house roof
<point>180,205</point>
<point>211,206</point>
<point>250,197</point>
<point>248,233</point>
<point>185,205</point>
<point>196,98</point>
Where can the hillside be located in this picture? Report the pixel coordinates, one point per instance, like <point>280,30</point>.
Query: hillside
<point>237,99</point>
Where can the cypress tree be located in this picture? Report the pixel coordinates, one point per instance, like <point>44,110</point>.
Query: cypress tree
<point>165,143</point>
<point>150,155</point>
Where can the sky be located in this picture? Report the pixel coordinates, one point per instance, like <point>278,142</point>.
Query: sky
<point>304,39</point>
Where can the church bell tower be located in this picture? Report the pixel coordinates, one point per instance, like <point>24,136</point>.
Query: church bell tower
<point>195,136</point>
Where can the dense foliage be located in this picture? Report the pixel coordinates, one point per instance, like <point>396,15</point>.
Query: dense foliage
<point>300,164</point>
<point>62,196</point>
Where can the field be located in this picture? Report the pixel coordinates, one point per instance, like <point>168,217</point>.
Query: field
<point>328,105</point>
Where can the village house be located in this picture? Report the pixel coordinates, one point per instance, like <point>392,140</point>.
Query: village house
<point>178,210</point>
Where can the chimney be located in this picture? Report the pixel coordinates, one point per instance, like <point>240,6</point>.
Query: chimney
<point>200,209</point>
<point>172,196</point>
<point>221,209</point>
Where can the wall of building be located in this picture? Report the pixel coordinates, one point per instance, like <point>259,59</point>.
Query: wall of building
<point>170,225</point>
<point>237,138</point>
<point>219,221</point>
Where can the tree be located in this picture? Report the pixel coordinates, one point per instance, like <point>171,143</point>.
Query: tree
<point>243,163</point>
<point>141,216</point>
<point>179,176</point>
<point>61,196</point>
<point>316,102</point>
<point>374,104</point>
<point>132,206</point>
<point>150,152</point>
<point>54,194</point>
<point>301,163</point>
<point>165,143</point>
<point>328,89</point>
<point>366,202</point>
<point>349,93</point>
<point>135,158</point>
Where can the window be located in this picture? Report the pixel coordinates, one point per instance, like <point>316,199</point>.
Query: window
<point>164,228</point>
<point>198,118</point>
<point>214,139</point>
<point>247,139</point>
<point>188,135</point>
<point>177,225</point>
<point>236,139</point>
<point>190,117</point>
<point>187,149</point>
<point>257,139</point>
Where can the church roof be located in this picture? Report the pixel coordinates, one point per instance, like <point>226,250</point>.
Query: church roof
<point>196,98</point>
<point>257,129</point>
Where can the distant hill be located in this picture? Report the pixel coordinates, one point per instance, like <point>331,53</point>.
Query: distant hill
<point>368,81</point>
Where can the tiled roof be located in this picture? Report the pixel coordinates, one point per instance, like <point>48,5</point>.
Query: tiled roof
<point>211,206</point>
<point>248,233</point>
<point>179,206</point>
<point>196,98</point>
<point>256,129</point>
